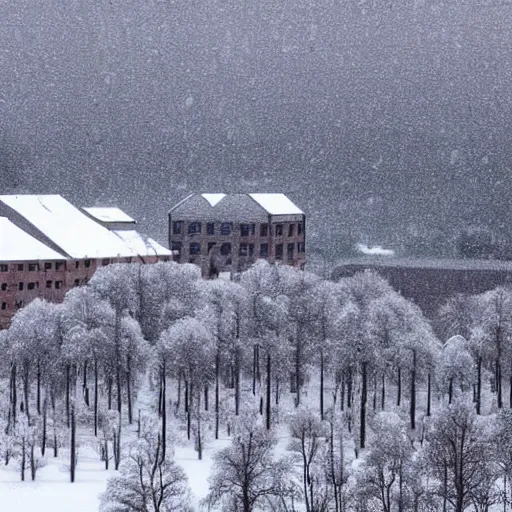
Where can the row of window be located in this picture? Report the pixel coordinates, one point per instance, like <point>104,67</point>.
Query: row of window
<point>58,265</point>
<point>248,249</point>
<point>226,228</point>
<point>18,304</point>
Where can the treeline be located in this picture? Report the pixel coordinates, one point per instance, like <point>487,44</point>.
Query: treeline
<point>362,365</point>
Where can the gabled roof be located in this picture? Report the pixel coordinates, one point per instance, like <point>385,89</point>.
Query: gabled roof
<point>109,214</point>
<point>67,227</point>
<point>142,245</point>
<point>276,204</point>
<point>241,207</point>
<point>16,245</point>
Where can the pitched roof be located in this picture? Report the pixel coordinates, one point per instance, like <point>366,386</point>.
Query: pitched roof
<point>108,214</point>
<point>276,204</point>
<point>67,227</point>
<point>17,245</point>
<point>143,246</point>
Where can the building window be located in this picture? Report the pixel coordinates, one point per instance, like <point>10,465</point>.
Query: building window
<point>301,247</point>
<point>279,251</point>
<point>20,286</point>
<point>48,265</point>
<point>177,227</point>
<point>58,285</point>
<point>128,260</point>
<point>49,284</point>
<point>279,230</point>
<point>77,264</point>
<point>194,228</point>
<point>211,245</point>
<point>291,229</point>
<point>87,263</point>
<point>264,250</point>
<point>225,228</point>
<point>4,268</point>
<point>18,304</point>
<point>77,282</point>
<point>33,267</point>
<point>243,249</point>
<point>4,287</point>
<point>20,267</point>
<point>4,306</point>
<point>32,286</point>
<point>299,228</point>
<point>60,264</point>
<point>263,229</point>
<point>225,249</point>
<point>105,261</point>
<point>290,251</point>
<point>247,229</point>
<point>195,248</point>
<point>251,249</point>
<point>210,228</point>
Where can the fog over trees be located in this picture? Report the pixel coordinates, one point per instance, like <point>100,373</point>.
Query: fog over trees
<point>392,115</point>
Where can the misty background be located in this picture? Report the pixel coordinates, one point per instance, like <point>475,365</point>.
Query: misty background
<point>387,122</point>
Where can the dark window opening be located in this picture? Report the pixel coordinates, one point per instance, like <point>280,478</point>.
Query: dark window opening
<point>279,230</point>
<point>128,260</point>
<point>251,249</point>
<point>33,286</point>
<point>4,305</point>
<point>87,263</point>
<point>77,282</point>
<point>299,228</point>
<point>194,228</point>
<point>290,251</point>
<point>301,247</point>
<point>77,264</point>
<point>247,229</point>
<point>195,248</point>
<point>211,245</point>
<point>225,228</point>
<point>18,304</point>
<point>48,265</point>
<point>105,261</point>
<point>4,268</point>
<point>33,267</point>
<point>210,228</point>
<point>279,251</point>
<point>263,229</point>
<point>291,229</point>
<point>49,284</point>
<point>243,250</point>
<point>60,264</point>
<point>225,249</point>
<point>264,250</point>
<point>58,285</point>
<point>177,227</point>
<point>4,287</point>
<point>20,286</point>
<point>20,267</point>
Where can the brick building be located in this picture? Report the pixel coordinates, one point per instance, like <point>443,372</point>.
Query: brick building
<point>48,246</point>
<point>430,282</point>
<point>229,232</point>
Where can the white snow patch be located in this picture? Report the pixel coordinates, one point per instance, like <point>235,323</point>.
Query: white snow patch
<point>143,246</point>
<point>374,251</point>
<point>213,199</point>
<point>110,214</point>
<point>276,204</point>
<point>17,245</point>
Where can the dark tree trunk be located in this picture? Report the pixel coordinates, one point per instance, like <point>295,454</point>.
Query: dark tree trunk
<point>186,396</point>
<point>164,410</point>
<point>364,393</point>
<point>23,458</point>
<point>84,385</point>
<point>68,393</point>
<point>129,389</point>
<point>72,465</point>
<point>349,389</point>
<point>413,391</point>
<point>119,390</point>
<point>254,354</point>
<point>178,403</point>
<point>199,438</point>
<point>109,392</point>
<point>206,397</point>
<point>26,388</point>
<point>383,393</point>
<point>399,388</point>
<point>429,394</point>
<point>479,386</point>
<point>96,397</point>
<point>38,389</point>
<point>43,434</point>
<point>499,383</point>
<point>321,384</point>
<point>277,390</point>
<point>342,397</point>
<point>217,402</point>
<point>450,390</point>
<point>269,392</point>
<point>189,409</point>
<point>374,393</point>
<point>237,381</point>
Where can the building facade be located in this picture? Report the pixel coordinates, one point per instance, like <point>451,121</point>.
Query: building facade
<point>228,233</point>
<point>48,246</point>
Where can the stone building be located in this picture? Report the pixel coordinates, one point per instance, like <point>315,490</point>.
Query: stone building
<point>48,246</point>
<point>229,232</point>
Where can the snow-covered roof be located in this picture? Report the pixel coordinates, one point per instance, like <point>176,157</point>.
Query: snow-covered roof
<point>109,214</point>
<point>213,199</point>
<point>17,245</point>
<point>143,246</point>
<point>276,204</point>
<point>67,227</point>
